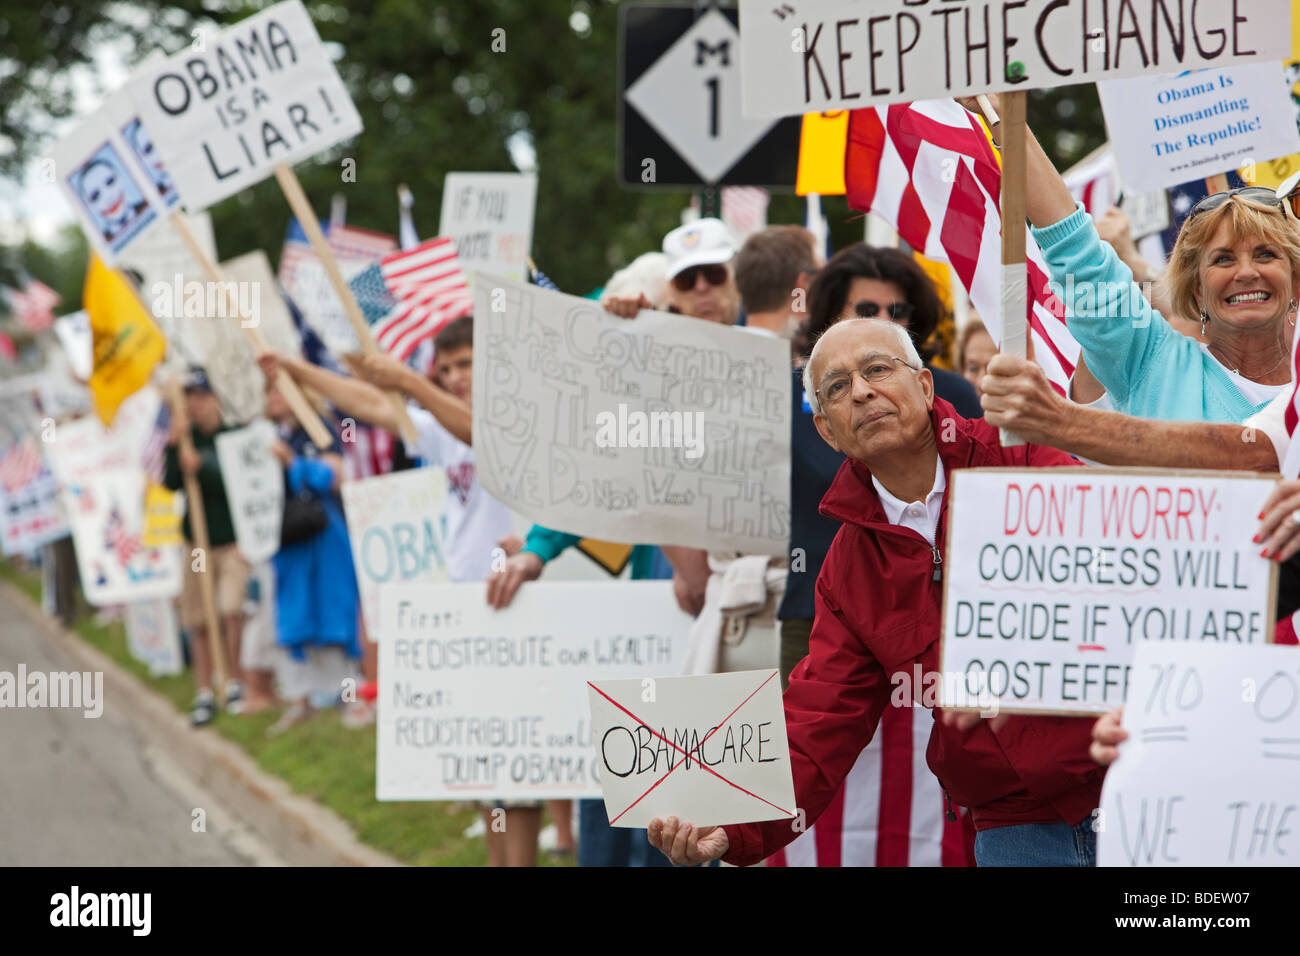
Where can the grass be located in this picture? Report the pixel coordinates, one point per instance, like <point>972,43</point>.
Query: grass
<point>320,759</point>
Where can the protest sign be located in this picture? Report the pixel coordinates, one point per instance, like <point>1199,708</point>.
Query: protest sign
<point>152,636</point>
<point>1055,575</point>
<point>663,430</point>
<point>105,511</point>
<point>820,55</point>
<point>654,739</point>
<point>84,446</point>
<point>395,524</point>
<point>1167,130</point>
<point>113,177</point>
<point>267,308</point>
<point>73,331</point>
<point>478,703</point>
<point>1211,768</point>
<point>258,94</point>
<point>490,218</point>
<point>163,511</point>
<point>29,508</point>
<point>254,482</point>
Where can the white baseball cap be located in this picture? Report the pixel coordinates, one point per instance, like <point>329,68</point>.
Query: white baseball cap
<point>704,242</point>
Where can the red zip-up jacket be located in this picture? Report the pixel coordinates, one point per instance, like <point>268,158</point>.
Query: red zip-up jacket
<point>878,612</point>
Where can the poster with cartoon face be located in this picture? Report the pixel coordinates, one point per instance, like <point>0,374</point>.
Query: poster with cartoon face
<point>141,143</point>
<point>111,198</point>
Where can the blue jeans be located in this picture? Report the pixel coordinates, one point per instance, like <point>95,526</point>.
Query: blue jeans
<point>1038,844</point>
<point>600,844</point>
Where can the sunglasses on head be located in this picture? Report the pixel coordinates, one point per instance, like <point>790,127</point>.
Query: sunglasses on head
<point>898,311</point>
<point>1257,194</point>
<point>713,274</point>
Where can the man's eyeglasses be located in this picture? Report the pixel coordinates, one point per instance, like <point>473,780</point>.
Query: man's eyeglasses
<point>713,274</point>
<point>898,311</point>
<point>838,384</point>
<point>1257,194</point>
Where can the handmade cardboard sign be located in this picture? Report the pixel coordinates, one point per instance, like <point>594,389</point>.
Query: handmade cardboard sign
<point>395,524</point>
<point>1167,130</point>
<point>257,94</point>
<point>708,750</point>
<point>1053,576</point>
<point>818,55</point>
<point>662,430</point>
<point>490,218</point>
<point>485,704</point>
<point>254,480</point>
<point>1210,772</point>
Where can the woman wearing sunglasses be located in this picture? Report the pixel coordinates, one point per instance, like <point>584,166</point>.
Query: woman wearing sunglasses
<point>1233,271</point>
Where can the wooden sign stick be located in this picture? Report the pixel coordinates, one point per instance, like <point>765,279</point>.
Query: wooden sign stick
<point>1015,325</point>
<point>293,192</point>
<point>199,527</point>
<point>293,395</point>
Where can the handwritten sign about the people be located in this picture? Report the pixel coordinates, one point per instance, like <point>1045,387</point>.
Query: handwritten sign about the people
<point>1054,575</point>
<point>820,55</point>
<point>709,749</point>
<point>1210,772</point>
<point>257,94</point>
<point>482,704</point>
<point>395,524</point>
<point>1167,130</point>
<point>659,430</point>
<point>254,481</point>
<point>490,218</point>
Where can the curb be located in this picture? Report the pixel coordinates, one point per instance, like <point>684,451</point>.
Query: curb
<point>300,830</point>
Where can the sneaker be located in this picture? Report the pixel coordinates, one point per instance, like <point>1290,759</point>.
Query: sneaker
<point>204,708</point>
<point>234,697</point>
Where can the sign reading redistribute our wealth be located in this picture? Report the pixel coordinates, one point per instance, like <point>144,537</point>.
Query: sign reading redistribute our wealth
<point>659,430</point>
<point>818,55</point>
<point>257,94</point>
<point>1055,575</point>
<point>482,704</point>
<point>1210,773</point>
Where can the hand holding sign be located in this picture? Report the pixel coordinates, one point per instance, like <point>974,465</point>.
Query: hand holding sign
<point>687,845</point>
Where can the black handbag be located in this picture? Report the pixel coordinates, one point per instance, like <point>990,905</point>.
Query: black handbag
<point>304,517</point>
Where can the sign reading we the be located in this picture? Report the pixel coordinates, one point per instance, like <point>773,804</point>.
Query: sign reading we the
<point>818,55</point>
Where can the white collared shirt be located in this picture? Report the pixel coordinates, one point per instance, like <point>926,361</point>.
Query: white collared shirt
<point>921,517</point>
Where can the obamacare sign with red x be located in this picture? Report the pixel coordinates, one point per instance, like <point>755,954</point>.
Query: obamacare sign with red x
<point>709,749</point>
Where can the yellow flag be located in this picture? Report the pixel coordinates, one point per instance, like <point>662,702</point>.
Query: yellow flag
<point>612,557</point>
<point>127,343</point>
<point>822,144</point>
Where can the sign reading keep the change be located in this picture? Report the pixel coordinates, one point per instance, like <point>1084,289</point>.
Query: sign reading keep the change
<point>818,55</point>
<point>1211,768</point>
<point>482,704</point>
<point>1054,575</point>
<point>237,103</point>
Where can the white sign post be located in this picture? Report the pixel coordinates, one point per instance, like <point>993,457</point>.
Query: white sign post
<point>1167,130</point>
<point>395,526</point>
<point>490,218</point>
<point>254,482</point>
<point>1210,773</point>
<point>1054,575</point>
<point>483,704</point>
<point>663,430</point>
<point>710,749</point>
<point>811,56</point>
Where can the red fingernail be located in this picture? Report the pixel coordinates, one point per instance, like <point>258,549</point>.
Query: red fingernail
<point>1255,539</point>
<point>1264,553</point>
<point>1261,516</point>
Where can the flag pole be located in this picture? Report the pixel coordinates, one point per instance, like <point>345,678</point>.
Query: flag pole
<point>287,387</point>
<point>293,192</point>
<point>1015,326</point>
<point>199,528</point>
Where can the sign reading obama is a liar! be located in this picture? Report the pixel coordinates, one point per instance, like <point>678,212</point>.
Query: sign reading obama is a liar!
<point>1060,573</point>
<point>818,55</point>
<point>256,95</point>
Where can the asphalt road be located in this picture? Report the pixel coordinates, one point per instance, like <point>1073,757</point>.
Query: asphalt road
<point>76,791</point>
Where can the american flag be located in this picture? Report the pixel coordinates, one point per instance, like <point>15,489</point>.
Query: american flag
<point>1094,181</point>
<point>21,463</point>
<point>117,539</point>
<point>33,305</point>
<point>744,209</point>
<point>900,165</point>
<point>427,289</point>
<point>542,280</point>
<point>155,448</point>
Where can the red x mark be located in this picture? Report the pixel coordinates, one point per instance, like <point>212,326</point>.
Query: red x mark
<point>688,756</point>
